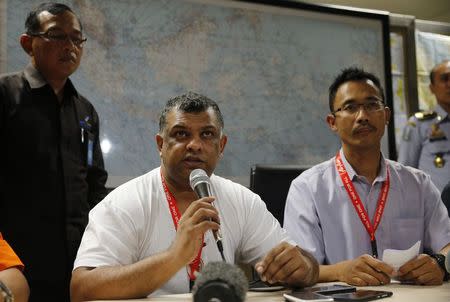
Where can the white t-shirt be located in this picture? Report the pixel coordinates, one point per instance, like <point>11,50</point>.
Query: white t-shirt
<point>133,222</point>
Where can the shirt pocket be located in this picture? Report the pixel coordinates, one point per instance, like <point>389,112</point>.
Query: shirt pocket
<point>436,147</point>
<point>405,232</point>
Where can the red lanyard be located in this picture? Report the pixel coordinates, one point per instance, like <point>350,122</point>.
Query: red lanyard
<point>176,216</point>
<point>359,207</point>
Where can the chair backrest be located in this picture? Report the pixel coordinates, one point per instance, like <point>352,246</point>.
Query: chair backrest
<point>272,183</point>
<point>446,197</point>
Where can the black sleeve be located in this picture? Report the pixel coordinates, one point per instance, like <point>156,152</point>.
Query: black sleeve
<point>2,109</point>
<point>97,174</point>
<point>2,138</point>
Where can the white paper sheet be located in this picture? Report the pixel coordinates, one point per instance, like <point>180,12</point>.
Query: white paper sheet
<point>396,258</point>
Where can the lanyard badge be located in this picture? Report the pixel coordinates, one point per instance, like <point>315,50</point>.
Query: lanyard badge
<point>358,205</point>
<point>194,266</point>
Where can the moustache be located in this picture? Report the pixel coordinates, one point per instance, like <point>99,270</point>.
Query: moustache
<point>71,56</point>
<point>363,128</point>
<point>193,158</point>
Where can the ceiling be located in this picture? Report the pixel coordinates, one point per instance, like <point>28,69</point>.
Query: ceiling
<point>432,10</point>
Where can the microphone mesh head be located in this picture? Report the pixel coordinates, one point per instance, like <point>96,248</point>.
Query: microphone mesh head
<point>197,176</point>
<point>226,273</point>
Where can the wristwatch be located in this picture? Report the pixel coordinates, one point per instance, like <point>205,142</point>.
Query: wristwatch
<point>440,259</point>
<point>6,293</point>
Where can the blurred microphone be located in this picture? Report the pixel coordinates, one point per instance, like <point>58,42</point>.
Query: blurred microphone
<point>447,262</point>
<point>200,183</point>
<point>220,281</point>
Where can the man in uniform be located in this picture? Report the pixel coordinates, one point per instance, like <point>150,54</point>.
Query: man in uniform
<point>426,137</point>
<point>51,171</point>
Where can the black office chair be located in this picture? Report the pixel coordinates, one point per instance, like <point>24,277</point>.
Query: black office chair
<point>272,183</point>
<point>446,197</point>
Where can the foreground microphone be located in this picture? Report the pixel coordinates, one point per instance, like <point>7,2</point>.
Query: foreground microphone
<point>220,281</point>
<point>200,183</point>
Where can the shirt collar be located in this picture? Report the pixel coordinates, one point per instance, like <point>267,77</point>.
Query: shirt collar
<point>34,77</point>
<point>36,80</point>
<point>352,173</point>
<point>442,113</point>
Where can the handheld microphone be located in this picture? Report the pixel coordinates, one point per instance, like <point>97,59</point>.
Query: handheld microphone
<point>201,184</point>
<point>220,281</point>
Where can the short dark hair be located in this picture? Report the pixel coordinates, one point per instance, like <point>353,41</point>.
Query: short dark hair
<point>189,102</point>
<point>32,23</point>
<point>352,74</point>
<point>433,70</point>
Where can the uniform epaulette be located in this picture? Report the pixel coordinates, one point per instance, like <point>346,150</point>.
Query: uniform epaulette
<point>425,115</point>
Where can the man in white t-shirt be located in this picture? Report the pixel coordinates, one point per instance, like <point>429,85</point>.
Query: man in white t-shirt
<point>152,234</point>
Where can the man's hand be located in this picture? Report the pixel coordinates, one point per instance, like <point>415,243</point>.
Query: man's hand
<point>288,264</point>
<point>365,271</point>
<point>198,218</point>
<point>423,270</point>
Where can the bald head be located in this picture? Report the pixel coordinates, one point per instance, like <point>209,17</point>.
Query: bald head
<point>442,65</point>
<point>440,84</point>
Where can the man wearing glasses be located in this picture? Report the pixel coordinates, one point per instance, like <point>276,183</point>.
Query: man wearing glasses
<point>52,170</point>
<point>348,210</point>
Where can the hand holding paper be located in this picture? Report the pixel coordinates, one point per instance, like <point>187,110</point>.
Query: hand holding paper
<point>414,268</point>
<point>396,258</point>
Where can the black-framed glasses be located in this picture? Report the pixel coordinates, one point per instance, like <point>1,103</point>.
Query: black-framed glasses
<point>60,37</point>
<point>353,108</point>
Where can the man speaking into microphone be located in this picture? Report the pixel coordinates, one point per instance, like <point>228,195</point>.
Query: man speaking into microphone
<point>152,235</point>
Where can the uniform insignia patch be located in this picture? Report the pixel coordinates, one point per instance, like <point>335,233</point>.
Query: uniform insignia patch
<point>436,133</point>
<point>425,115</point>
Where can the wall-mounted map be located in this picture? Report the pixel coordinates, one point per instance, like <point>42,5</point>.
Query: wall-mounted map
<point>268,67</point>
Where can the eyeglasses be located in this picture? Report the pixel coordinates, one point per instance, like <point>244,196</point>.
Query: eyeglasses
<point>444,77</point>
<point>60,37</point>
<point>353,108</point>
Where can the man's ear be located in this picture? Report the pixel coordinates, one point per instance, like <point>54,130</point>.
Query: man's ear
<point>159,142</point>
<point>223,142</point>
<point>387,112</point>
<point>431,86</point>
<point>331,121</point>
<point>26,43</point>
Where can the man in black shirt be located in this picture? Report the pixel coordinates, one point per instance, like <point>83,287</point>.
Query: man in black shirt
<point>51,162</point>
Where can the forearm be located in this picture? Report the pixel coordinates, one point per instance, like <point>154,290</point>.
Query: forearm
<point>121,282</point>
<point>17,283</point>
<point>362,271</point>
<point>330,273</point>
<point>444,251</point>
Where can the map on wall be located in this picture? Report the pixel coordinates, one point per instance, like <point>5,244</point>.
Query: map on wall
<point>398,85</point>
<point>268,68</point>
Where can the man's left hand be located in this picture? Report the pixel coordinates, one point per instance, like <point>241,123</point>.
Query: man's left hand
<point>288,264</point>
<point>423,270</point>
